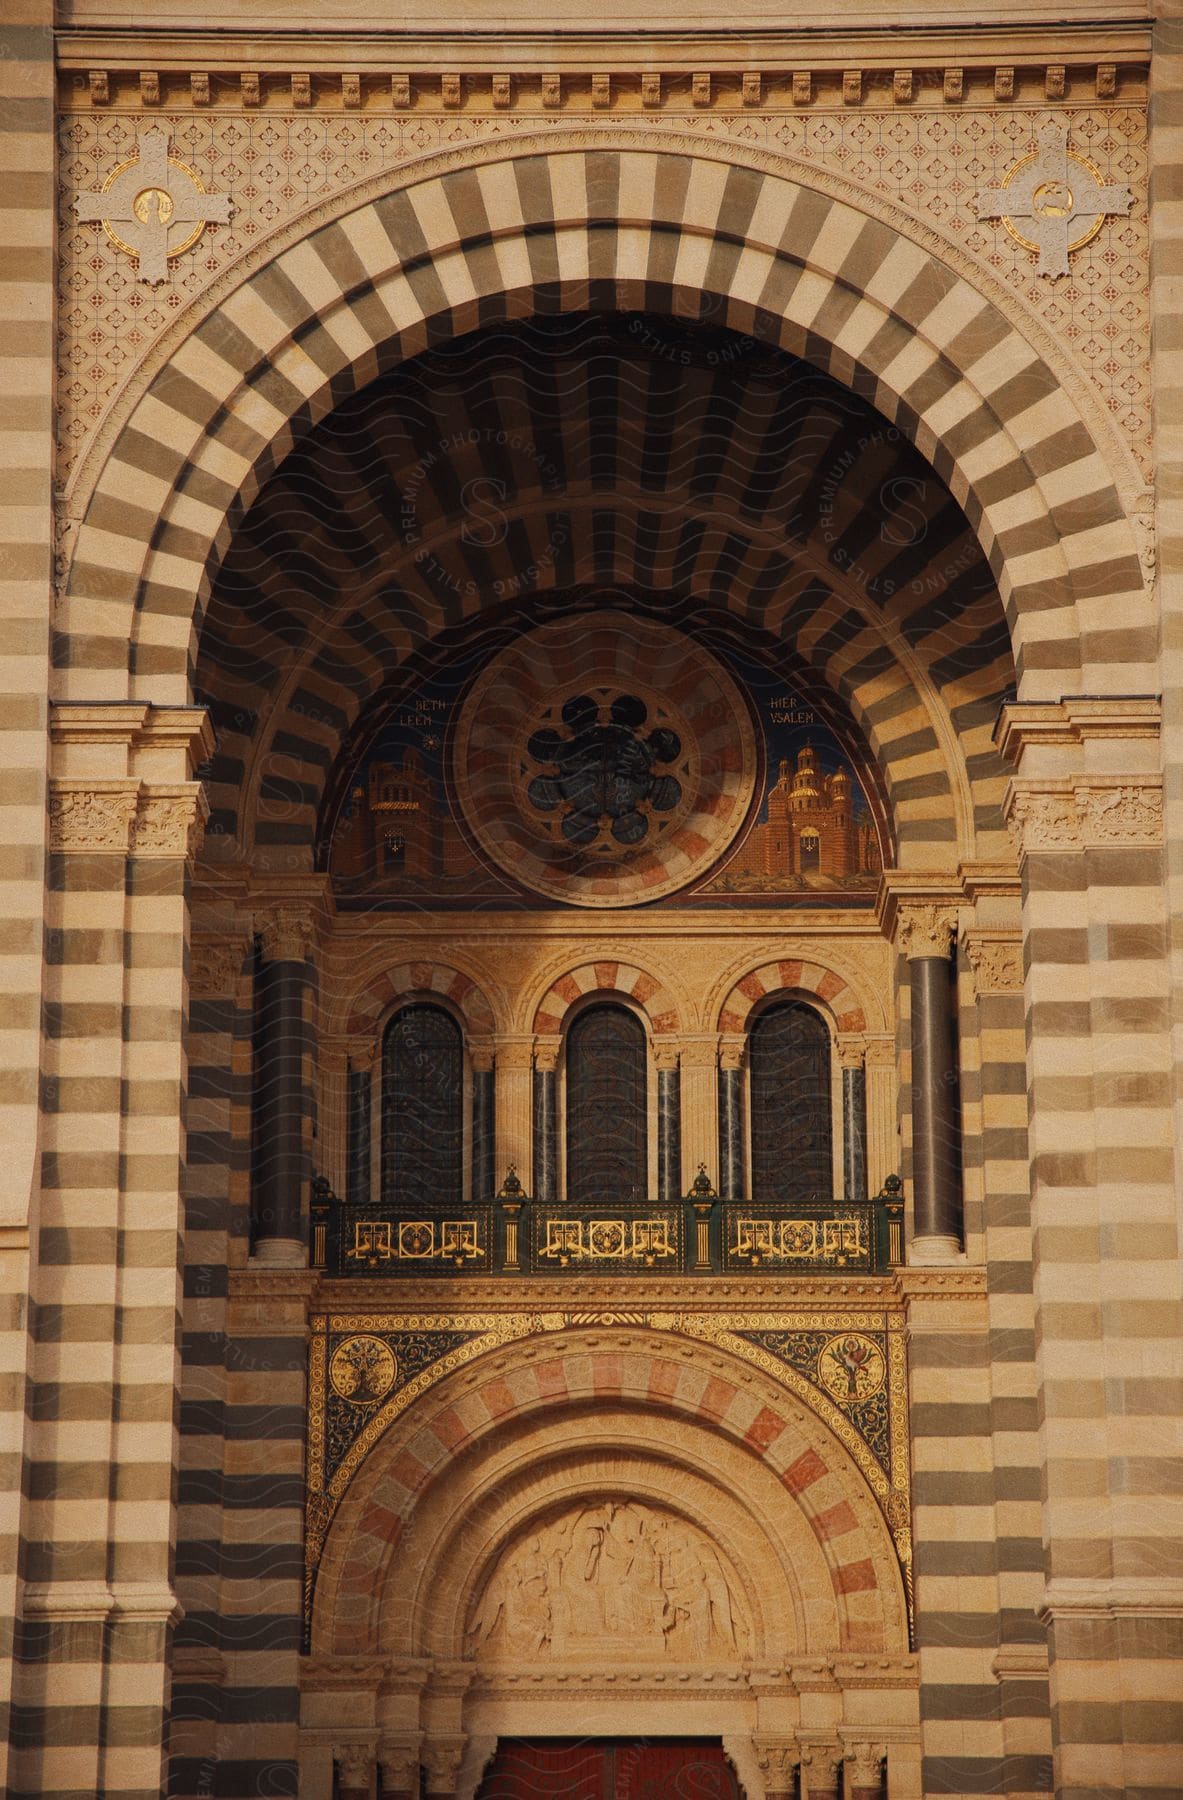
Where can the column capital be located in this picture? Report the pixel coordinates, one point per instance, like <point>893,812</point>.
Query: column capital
<point>92,816</point>
<point>852,1052</point>
<point>515,1055</point>
<point>1071,814</point>
<point>287,933</point>
<point>864,1765</point>
<point>362,1053</point>
<point>778,1760</point>
<point>170,821</point>
<point>666,1055</point>
<point>910,898</point>
<point>215,962</point>
<point>442,1758</point>
<point>699,1053</point>
<point>546,1054</point>
<point>925,931</point>
<point>398,1760</point>
<point>482,1055</point>
<point>996,958</point>
<point>823,1760</point>
<point>355,1764</point>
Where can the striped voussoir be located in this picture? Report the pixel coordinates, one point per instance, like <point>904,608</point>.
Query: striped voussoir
<point>606,977</point>
<point>634,228</point>
<point>792,976</point>
<point>420,981</point>
<point>471,1413</point>
<point>360,554</point>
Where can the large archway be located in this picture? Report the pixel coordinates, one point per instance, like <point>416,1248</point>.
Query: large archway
<point>640,228</point>
<point>651,1526</point>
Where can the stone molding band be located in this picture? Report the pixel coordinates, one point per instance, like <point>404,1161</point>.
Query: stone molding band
<point>1074,814</point>
<point>126,817</point>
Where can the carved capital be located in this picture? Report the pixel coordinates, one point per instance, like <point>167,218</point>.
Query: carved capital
<point>361,1053</point>
<point>215,963</point>
<point>399,1763</point>
<point>287,933</point>
<point>515,1055</point>
<point>666,1056</point>
<point>996,959</point>
<point>169,821</point>
<point>546,1055</point>
<point>925,931</point>
<point>442,1758</point>
<point>779,1760</point>
<point>94,816</point>
<point>1075,815</point>
<point>823,1763</point>
<point>732,1050</point>
<point>852,1053</point>
<point>355,1764</point>
<point>864,1766</point>
<point>700,1053</point>
<point>482,1055</point>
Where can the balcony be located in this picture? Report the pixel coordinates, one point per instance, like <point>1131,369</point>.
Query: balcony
<point>514,1235</point>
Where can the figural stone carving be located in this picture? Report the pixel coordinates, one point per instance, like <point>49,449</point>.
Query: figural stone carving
<point>611,1579</point>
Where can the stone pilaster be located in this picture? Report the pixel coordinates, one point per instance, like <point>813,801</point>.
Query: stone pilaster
<point>1085,809</point>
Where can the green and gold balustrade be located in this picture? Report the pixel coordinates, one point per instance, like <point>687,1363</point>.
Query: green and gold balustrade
<point>514,1235</point>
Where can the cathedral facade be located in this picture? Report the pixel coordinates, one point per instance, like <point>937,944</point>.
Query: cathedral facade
<point>593,803</point>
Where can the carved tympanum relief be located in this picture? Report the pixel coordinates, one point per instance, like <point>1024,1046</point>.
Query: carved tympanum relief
<point>610,1579</point>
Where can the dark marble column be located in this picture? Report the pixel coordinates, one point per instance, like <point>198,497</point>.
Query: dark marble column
<point>669,1126</point>
<point>546,1130</point>
<point>358,1148</point>
<point>731,1127</point>
<point>926,935</point>
<point>484,1176</point>
<point>278,1098</point>
<point>854,1122</point>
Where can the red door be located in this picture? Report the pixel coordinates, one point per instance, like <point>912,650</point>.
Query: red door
<point>592,1769</point>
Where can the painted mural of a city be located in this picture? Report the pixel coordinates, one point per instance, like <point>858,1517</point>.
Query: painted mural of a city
<point>396,840</point>
<point>813,835</point>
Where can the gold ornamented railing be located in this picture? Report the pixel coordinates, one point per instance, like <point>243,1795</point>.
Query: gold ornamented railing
<point>515,1235</point>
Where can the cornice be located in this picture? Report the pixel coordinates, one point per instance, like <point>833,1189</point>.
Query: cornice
<point>608,1302</point>
<point>543,70</point>
<point>1075,721</point>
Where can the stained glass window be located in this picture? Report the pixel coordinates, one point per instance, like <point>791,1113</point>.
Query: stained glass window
<point>607,1110</point>
<point>423,1108</point>
<point>789,1083</point>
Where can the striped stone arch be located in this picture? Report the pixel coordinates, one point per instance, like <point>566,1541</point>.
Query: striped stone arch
<point>655,224</point>
<point>420,980</point>
<point>484,1410</point>
<point>797,977</point>
<point>606,977</point>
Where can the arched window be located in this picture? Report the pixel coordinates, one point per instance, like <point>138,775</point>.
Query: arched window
<point>789,1083</point>
<point>423,1108</point>
<point>607,1106</point>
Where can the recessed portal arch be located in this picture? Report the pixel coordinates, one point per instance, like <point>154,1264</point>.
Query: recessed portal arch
<point>630,226</point>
